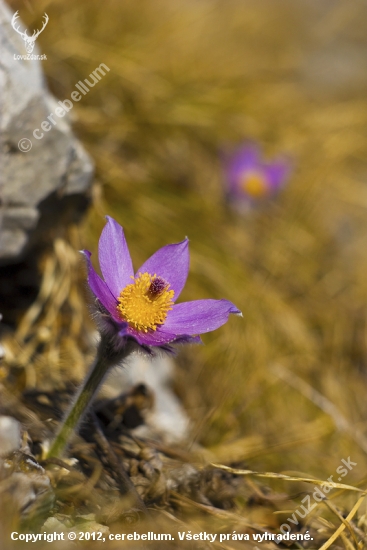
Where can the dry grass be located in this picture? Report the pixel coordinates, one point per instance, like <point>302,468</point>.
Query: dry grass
<point>186,80</point>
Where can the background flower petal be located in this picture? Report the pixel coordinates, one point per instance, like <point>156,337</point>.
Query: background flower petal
<point>277,173</point>
<point>198,316</point>
<point>171,263</point>
<point>99,287</point>
<point>244,159</point>
<point>114,257</point>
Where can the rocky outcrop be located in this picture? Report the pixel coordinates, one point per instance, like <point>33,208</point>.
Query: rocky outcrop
<point>43,181</point>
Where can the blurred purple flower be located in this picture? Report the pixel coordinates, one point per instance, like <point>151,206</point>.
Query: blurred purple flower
<point>141,306</point>
<point>250,179</point>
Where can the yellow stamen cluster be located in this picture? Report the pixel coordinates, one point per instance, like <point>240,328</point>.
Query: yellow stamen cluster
<point>254,184</point>
<point>143,306</point>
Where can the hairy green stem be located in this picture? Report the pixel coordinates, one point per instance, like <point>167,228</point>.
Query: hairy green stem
<point>83,398</point>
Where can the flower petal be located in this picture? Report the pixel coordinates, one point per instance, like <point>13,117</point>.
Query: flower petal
<point>114,257</point>
<point>277,174</point>
<point>99,287</point>
<point>245,158</point>
<point>160,338</point>
<point>156,338</point>
<point>198,316</point>
<point>112,326</point>
<point>171,263</point>
<point>187,339</point>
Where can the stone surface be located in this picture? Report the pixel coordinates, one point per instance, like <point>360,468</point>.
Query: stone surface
<point>10,435</point>
<point>167,420</point>
<point>37,187</point>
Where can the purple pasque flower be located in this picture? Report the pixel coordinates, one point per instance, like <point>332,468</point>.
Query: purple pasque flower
<point>142,306</point>
<point>251,179</point>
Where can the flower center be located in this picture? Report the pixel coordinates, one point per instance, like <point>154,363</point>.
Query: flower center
<point>144,304</point>
<point>254,184</point>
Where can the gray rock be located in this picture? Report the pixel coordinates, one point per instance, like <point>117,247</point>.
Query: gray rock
<point>10,435</point>
<point>167,421</point>
<point>39,186</point>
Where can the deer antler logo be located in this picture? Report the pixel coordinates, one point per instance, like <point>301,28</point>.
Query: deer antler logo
<point>29,40</point>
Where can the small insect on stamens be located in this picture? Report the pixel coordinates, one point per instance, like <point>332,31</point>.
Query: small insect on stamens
<point>157,286</point>
<point>144,304</point>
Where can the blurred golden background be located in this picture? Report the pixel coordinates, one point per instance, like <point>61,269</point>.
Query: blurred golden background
<point>284,388</point>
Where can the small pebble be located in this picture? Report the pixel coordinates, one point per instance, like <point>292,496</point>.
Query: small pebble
<point>10,435</point>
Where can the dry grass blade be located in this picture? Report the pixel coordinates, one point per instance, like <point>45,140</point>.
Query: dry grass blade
<point>272,475</point>
<point>347,543</point>
<point>325,404</point>
<point>211,510</point>
<point>341,528</point>
<point>347,524</point>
